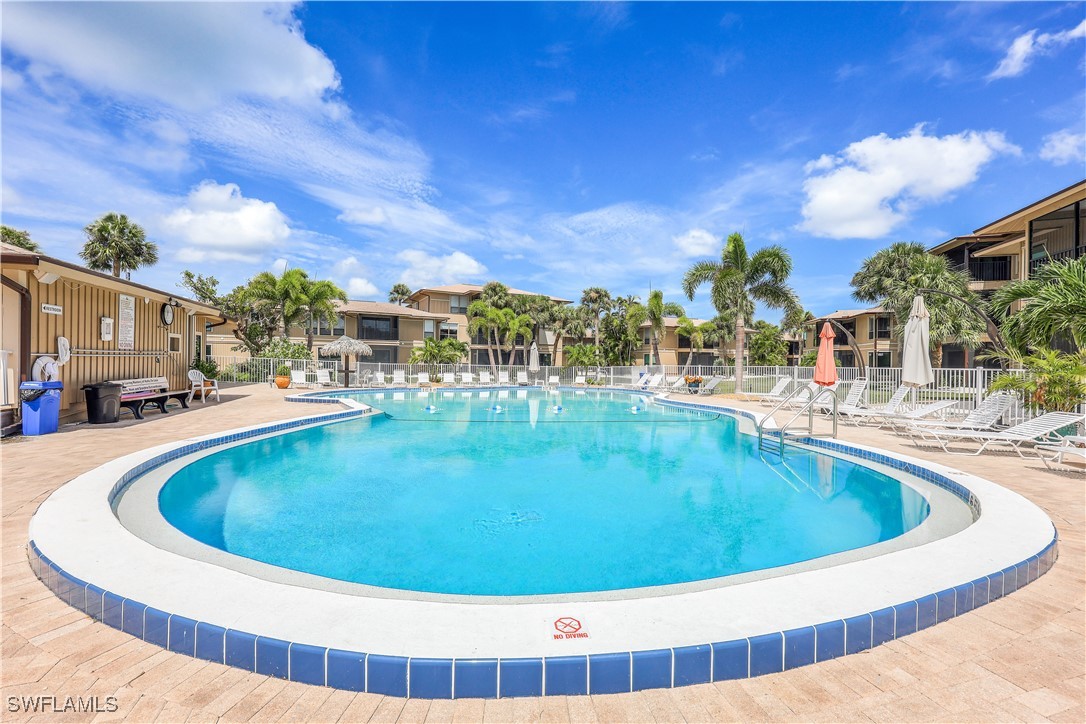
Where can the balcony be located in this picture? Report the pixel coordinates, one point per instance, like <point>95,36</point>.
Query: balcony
<point>995,269</point>
<point>379,335</point>
<point>1064,255</point>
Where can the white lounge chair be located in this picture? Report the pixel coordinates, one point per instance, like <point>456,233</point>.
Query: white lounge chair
<point>522,377</point>
<point>903,419</point>
<point>503,377</point>
<point>860,415</point>
<point>485,379</point>
<point>199,383</point>
<point>297,379</point>
<point>580,380</point>
<point>649,382</point>
<point>553,381</point>
<point>802,395</point>
<point>467,379</point>
<point>984,417</point>
<point>1035,430</point>
<point>424,379</point>
<point>1068,447</point>
<point>324,378</point>
<point>398,378</point>
<point>377,379</point>
<point>774,396</point>
<point>710,385</point>
<point>852,399</point>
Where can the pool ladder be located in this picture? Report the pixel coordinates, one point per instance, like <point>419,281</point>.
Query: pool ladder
<point>776,437</point>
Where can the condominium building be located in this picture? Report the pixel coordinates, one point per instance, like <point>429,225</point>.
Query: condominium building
<point>452,301</point>
<point>872,330</point>
<point>392,331</point>
<point>1014,247</point>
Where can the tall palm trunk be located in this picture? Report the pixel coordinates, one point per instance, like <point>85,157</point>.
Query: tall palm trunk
<point>689,356</point>
<point>490,352</point>
<point>117,266</point>
<point>656,351</point>
<point>740,336</point>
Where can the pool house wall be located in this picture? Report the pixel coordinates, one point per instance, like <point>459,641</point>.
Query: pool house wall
<point>53,299</point>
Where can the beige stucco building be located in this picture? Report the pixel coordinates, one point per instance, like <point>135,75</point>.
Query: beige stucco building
<point>872,329</point>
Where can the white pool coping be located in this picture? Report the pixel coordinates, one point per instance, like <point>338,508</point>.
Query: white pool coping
<point>77,529</point>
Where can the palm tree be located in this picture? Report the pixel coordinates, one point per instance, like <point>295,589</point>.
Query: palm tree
<point>894,275</point>
<point>595,301</point>
<point>448,351</point>
<point>767,346</point>
<point>699,335</point>
<point>18,238</point>
<point>484,318</point>
<point>1054,307</point>
<point>738,280</point>
<point>399,293</point>
<point>283,295</point>
<point>656,310</point>
<point>320,305</point>
<point>515,325</point>
<point>116,245</point>
<point>565,322</point>
<point>495,294</point>
<point>582,355</point>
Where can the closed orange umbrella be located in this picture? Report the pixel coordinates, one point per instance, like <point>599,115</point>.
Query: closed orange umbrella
<point>825,372</point>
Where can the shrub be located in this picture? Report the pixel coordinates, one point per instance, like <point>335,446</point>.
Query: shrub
<point>207,366</point>
<point>280,348</point>
<point>282,371</point>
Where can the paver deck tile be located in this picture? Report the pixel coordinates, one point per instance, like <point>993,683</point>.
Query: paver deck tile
<point>361,708</point>
<point>467,711</point>
<point>499,710</point>
<point>580,709</point>
<point>388,710</point>
<point>307,705</point>
<point>247,708</point>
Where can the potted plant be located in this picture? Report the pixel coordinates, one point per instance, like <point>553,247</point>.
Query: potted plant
<point>282,377</point>
<point>693,382</point>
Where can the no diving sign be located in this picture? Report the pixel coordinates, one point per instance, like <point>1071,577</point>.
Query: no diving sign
<point>568,627</point>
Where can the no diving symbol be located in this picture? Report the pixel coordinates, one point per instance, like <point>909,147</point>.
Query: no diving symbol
<point>567,625</point>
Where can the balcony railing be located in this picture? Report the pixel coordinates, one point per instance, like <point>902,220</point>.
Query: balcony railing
<point>379,335</point>
<point>996,269</point>
<point>1036,264</point>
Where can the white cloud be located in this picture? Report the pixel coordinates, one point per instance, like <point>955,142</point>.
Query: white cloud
<point>223,224</point>
<point>359,287</point>
<point>279,265</point>
<point>427,270</point>
<point>192,55</point>
<point>1026,46</point>
<point>873,186</point>
<point>697,242</point>
<point>1063,147</point>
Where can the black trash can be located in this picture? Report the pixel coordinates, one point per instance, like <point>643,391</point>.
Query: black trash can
<point>103,402</point>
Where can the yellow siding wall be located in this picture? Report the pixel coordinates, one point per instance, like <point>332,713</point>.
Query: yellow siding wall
<point>94,360</point>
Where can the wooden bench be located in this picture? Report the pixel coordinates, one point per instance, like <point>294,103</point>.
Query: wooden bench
<point>149,391</point>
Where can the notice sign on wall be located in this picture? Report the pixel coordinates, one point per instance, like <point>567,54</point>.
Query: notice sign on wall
<point>107,329</point>
<point>126,323</point>
<point>51,308</point>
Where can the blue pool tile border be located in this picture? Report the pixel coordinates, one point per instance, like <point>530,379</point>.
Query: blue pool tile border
<point>516,677</point>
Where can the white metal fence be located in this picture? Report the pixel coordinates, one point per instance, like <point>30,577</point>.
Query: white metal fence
<point>966,386</point>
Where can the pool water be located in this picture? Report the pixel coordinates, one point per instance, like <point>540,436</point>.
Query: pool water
<point>524,492</point>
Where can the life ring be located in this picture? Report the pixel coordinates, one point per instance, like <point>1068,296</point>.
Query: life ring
<point>45,369</point>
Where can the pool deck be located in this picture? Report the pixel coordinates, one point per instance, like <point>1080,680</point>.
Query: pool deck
<point>1021,658</point>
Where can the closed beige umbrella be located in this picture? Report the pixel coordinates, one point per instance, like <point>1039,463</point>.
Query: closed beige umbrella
<point>915,355</point>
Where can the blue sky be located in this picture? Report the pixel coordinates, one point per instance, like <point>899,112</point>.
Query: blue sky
<point>550,146</point>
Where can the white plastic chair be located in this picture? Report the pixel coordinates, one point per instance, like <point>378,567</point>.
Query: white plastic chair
<point>297,379</point>
<point>398,379</point>
<point>522,377</point>
<point>424,379</point>
<point>324,378</point>
<point>199,383</point>
<point>503,378</point>
<point>467,379</point>
<point>484,378</point>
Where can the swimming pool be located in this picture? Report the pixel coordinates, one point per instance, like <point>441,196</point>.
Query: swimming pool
<point>102,543</point>
<point>529,492</point>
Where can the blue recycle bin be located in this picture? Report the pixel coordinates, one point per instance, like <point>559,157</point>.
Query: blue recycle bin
<point>41,406</point>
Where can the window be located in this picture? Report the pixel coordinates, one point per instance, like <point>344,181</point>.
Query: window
<point>848,359</point>
<point>878,327</point>
<point>320,326</point>
<point>1056,236</point>
<point>648,359</point>
<point>428,329</point>
<point>878,359</point>
<point>384,328</point>
<point>174,343</point>
<point>448,330</point>
<point>383,354</point>
<point>458,304</point>
<point>199,345</point>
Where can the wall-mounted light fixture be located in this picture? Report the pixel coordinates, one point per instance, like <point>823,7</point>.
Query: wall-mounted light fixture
<point>45,277</point>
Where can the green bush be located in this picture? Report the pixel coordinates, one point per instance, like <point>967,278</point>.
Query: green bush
<point>282,371</point>
<point>207,366</point>
<point>280,348</point>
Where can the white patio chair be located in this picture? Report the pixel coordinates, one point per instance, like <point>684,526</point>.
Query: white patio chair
<point>485,378</point>
<point>984,417</point>
<point>398,378</point>
<point>776,393</point>
<point>860,415</point>
<point>297,379</point>
<point>324,378</point>
<point>424,379</point>
<point>199,383</point>
<point>522,378</point>
<point>580,380</point>
<point>467,379</point>
<point>503,377</point>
